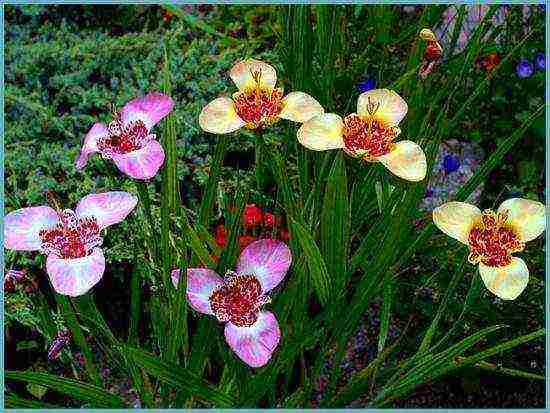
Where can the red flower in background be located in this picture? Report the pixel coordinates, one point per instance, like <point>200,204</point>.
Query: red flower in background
<point>258,224</point>
<point>490,61</point>
<point>271,220</point>
<point>252,216</point>
<point>284,235</point>
<point>221,235</point>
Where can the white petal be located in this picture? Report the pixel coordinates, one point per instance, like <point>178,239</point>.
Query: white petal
<point>456,219</point>
<point>526,216</point>
<point>406,160</point>
<point>322,132</point>
<point>506,282</point>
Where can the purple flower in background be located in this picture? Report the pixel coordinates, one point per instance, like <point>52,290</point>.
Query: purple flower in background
<point>524,69</point>
<point>253,334</point>
<point>367,84</point>
<point>59,342</point>
<point>451,163</point>
<point>540,61</point>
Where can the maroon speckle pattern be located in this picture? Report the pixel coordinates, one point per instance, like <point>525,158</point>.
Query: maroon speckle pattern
<point>238,301</point>
<point>492,241</point>
<point>73,237</point>
<point>123,138</point>
<point>259,107</point>
<point>367,137</point>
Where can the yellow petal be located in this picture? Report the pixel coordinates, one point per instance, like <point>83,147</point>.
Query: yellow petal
<point>427,34</point>
<point>526,216</point>
<point>219,116</point>
<point>300,107</point>
<point>456,219</point>
<point>389,106</point>
<point>506,282</point>
<point>243,72</point>
<point>322,132</point>
<point>406,160</point>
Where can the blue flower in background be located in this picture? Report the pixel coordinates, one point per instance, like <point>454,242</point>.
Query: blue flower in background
<point>451,163</point>
<point>540,61</point>
<point>367,84</point>
<point>524,69</point>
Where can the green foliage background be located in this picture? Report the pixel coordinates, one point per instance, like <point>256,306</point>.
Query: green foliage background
<point>65,65</point>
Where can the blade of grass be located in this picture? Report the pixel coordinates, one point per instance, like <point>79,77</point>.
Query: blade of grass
<point>78,335</point>
<point>335,223</point>
<point>181,378</point>
<point>207,203</point>
<point>96,396</point>
<point>322,283</point>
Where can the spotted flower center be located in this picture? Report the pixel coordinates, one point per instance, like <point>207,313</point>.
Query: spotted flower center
<point>72,237</point>
<point>123,138</point>
<point>368,138</point>
<point>492,240</point>
<point>238,301</point>
<point>259,107</point>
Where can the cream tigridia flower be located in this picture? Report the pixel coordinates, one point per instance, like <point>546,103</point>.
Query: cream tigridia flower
<point>492,237</point>
<point>257,103</point>
<point>369,134</point>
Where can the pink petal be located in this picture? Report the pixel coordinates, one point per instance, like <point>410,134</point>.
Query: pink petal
<point>268,260</point>
<point>108,207</point>
<point>143,163</point>
<point>89,146</point>
<point>150,109</point>
<point>200,284</point>
<point>175,275</point>
<point>255,344</point>
<point>76,276</point>
<point>21,227</point>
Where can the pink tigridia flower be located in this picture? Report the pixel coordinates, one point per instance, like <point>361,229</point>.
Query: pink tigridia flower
<point>70,239</point>
<point>253,334</point>
<point>127,140</point>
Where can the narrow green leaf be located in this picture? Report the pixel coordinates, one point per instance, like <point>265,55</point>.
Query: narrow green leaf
<point>426,341</point>
<point>497,368</point>
<point>335,222</point>
<point>428,367</point>
<point>13,401</point>
<point>135,302</point>
<point>207,203</point>
<point>501,348</point>
<point>230,252</point>
<point>78,335</point>
<point>95,396</point>
<point>181,378</point>
<point>317,267</point>
<point>194,242</point>
<point>385,314</point>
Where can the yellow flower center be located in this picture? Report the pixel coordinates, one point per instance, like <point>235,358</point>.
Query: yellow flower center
<point>259,107</point>
<point>492,240</point>
<point>367,137</point>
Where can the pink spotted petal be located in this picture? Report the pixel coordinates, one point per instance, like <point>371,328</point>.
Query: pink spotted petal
<point>201,282</point>
<point>76,276</point>
<point>107,208</point>
<point>175,276</point>
<point>255,344</point>
<point>143,163</point>
<point>268,260</point>
<point>21,227</point>
<point>150,109</point>
<point>89,146</point>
